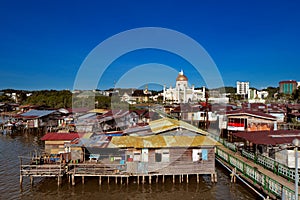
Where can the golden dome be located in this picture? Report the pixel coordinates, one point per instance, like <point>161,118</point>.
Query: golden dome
<point>181,77</point>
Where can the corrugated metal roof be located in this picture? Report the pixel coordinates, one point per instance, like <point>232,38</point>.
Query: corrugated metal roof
<point>166,124</point>
<point>158,141</point>
<point>87,116</point>
<point>99,141</point>
<point>37,113</point>
<point>60,136</point>
<point>250,113</point>
<point>98,111</point>
<point>269,137</point>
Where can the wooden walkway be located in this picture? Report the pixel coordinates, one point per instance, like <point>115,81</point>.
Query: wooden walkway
<point>289,185</point>
<point>118,172</point>
<point>44,170</point>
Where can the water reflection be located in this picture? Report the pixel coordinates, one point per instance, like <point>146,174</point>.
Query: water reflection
<point>46,188</point>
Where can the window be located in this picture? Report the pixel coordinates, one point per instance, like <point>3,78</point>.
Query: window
<point>158,157</point>
<point>197,155</point>
<point>204,154</point>
<point>165,155</point>
<point>136,156</point>
<point>162,155</point>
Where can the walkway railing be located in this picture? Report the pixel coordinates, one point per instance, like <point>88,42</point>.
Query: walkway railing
<point>96,168</point>
<point>266,162</point>
<point>263,180</point>
<point>46,170</point>
<point>257,177</point>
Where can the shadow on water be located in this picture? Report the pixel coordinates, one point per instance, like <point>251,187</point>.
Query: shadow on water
<point>46,188</point>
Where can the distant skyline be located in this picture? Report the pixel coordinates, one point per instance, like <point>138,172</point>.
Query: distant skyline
<point>43,44</point>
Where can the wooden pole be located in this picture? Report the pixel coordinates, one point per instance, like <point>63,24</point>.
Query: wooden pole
<point>116,180</point>
<point>127,180</point>
<point>143,180</point>
<point>216,178</point>
<point>179,178</point>
<point>21,176</point>
<point>100,180</point>
<point>156,178</point>
<point>150,179</point>
<point>163,179</point>
<point>73,180</point>
<point>21,179</point>
<point>59,181</point>
<point>82,179</point>
<point>187,178</point>
<point>197,178</point>
<point>233,174</point>
<point>31,180</point>
<point>173,178</point>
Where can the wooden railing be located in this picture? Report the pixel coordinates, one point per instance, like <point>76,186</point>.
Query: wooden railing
<point>96,168</point>
<point>43,170</point>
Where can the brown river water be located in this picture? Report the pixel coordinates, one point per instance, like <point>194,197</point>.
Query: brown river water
<point>46,188</point>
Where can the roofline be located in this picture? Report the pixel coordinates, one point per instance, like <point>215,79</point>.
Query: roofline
<point>245,113</point>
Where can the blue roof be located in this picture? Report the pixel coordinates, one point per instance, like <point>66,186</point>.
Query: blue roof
<point>37,113</point>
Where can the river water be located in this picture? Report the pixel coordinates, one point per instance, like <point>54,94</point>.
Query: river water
<point>46,188</point>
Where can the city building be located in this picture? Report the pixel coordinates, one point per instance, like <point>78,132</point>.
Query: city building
<point>255,96</point>
<point>182,93</point>
<point>287,87</point>
<point>242,87</point>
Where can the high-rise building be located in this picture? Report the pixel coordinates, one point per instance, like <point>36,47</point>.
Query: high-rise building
<point>287,87</point>
<point>242,87</point>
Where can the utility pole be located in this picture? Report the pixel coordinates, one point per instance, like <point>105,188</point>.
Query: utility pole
<point>206,110</point>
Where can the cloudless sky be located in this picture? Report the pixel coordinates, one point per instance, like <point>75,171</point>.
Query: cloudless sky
<point>43,43</point>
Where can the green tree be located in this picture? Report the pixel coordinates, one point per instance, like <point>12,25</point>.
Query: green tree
<point>5,99</point>
<point>103,102</point>
<point>50,98</point>
<point>296,95</point>
<point>271,91</point>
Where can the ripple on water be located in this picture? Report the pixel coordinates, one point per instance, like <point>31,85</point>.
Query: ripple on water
<point>46,188</point>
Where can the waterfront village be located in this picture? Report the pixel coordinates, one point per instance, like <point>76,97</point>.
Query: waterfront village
<point>174,134</point>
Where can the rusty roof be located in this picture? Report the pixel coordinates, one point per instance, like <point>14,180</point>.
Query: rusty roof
<point>258,114</point>
<point>269,137</point>
<point>60,136</point>
<point>157,141</point>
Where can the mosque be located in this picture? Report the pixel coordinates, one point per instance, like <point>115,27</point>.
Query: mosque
<point>182,93</point>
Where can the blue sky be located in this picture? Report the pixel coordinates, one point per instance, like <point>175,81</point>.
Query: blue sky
<point>43,43</point>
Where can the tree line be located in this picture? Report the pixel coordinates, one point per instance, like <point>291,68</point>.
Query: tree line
<point>64,98</point>
<point>55,99</point>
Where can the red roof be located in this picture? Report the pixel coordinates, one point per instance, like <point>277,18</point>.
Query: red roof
<point>249,112</point>
<point>139,112</point>
<point>269,137</point>
<point>60,136</point>
<point>78,110</point>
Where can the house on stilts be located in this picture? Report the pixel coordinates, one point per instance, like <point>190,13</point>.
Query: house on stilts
<point>164,148</point>
<point>167,148</point>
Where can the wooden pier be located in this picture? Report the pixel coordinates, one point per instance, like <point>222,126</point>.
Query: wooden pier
<point>108,172</point>
<point>117,173</point>
<point>55,170</point>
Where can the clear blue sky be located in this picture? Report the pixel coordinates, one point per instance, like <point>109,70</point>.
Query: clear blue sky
<point>43,43</point>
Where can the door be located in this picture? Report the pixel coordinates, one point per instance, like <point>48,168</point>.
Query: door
<point>145,155</point>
